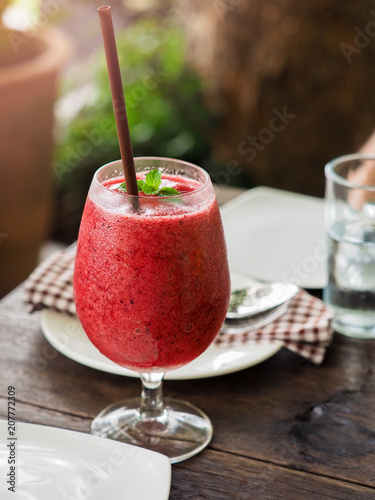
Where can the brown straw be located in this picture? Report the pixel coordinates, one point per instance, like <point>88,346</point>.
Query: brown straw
<point>118,99</point>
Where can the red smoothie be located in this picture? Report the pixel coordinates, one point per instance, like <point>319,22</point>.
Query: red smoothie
<point>152,284</point>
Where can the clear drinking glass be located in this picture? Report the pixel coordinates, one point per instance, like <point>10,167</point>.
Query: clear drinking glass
<point>152,288</point>
<point>350,223</point>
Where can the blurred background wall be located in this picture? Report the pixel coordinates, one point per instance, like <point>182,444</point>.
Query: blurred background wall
<point>256,92</point>
<point>310,60</point>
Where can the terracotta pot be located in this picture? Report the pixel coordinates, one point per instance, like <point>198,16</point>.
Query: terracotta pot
<point>28,89</point>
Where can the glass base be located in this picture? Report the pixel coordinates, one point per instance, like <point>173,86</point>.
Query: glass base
<point>180,432</point>
<point>353,331</point>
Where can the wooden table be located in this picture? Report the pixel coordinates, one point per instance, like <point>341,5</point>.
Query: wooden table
<point>284,429</point>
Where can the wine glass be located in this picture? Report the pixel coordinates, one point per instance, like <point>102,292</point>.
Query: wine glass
<point>152,287</point>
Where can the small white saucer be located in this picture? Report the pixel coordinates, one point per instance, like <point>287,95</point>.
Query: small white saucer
<point>276,235</point>
<point>61,464</point>
<point>66,335</point>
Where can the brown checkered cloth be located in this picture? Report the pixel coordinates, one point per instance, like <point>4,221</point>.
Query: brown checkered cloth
<point>50,285</point>
<point>304,329</point>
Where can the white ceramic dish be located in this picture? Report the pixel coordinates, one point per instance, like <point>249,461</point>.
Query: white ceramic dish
<point>66,335</point>
<point>275,235</point>
<point>63,465</point>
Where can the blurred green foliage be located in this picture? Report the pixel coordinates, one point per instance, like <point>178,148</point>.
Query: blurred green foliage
<point>166,113</point>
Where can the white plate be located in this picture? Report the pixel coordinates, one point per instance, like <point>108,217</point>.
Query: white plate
<point>275,235</point>
<point>66,335</point>
<point>61,464</point>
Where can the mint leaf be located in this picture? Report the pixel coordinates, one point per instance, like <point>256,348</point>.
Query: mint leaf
<point>147,189</point>
<point>168,191</point>
<point>151,185</point>
<point>153,179</point>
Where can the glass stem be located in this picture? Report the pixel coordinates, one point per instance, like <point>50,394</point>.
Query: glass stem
<point>152,407</point>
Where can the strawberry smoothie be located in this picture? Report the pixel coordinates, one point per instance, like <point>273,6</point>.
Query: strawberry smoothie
<point>151,283</point>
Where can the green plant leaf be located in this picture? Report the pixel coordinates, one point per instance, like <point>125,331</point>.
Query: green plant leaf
<point>147,189</point>
<point>153,179</point>
<point>168,191</point>
<point>151,185</point>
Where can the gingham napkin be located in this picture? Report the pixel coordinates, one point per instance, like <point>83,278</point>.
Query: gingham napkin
<point>304,329</point>
<point>50,285</point>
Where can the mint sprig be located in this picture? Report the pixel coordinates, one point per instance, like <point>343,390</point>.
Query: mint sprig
<point>151,185</point>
